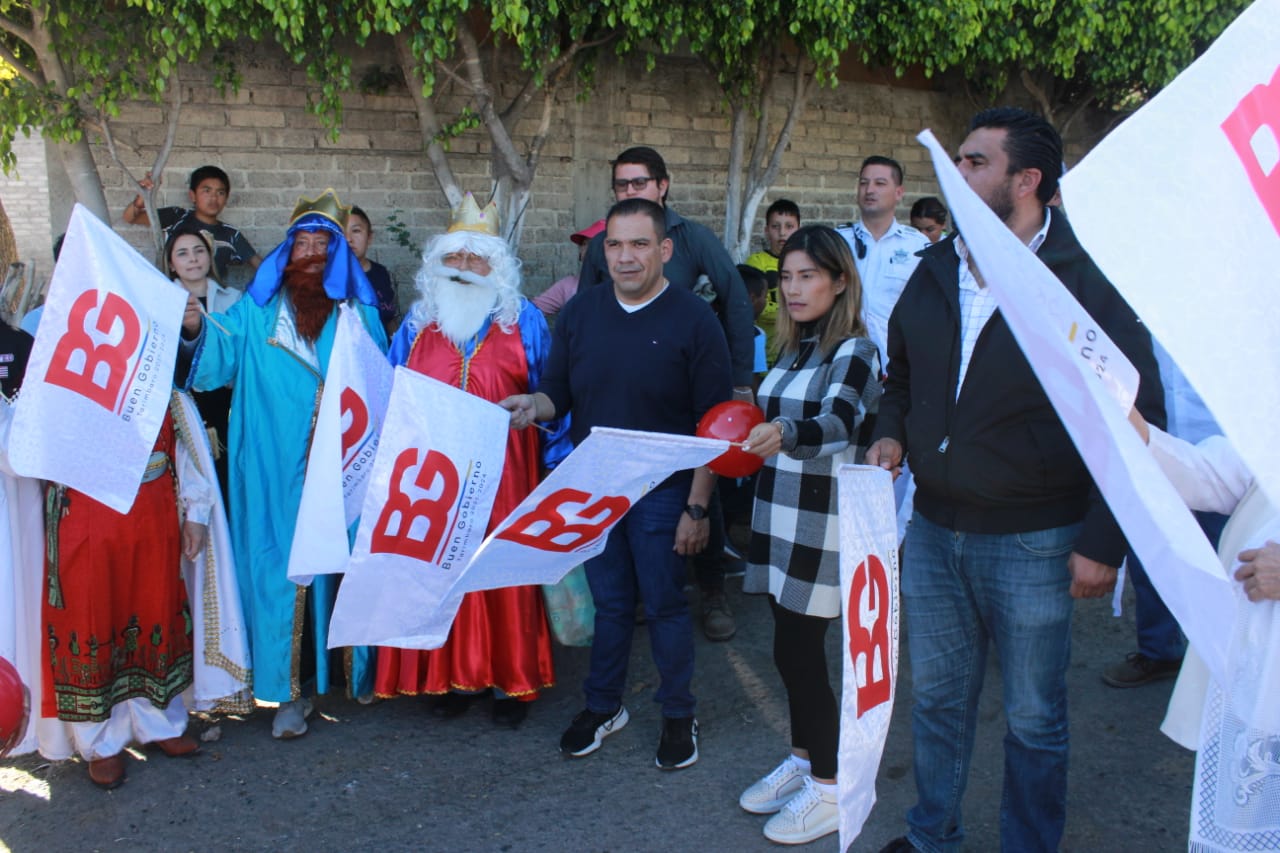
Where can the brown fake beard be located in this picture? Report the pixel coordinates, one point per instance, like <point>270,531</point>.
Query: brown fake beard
<point>304,283</point>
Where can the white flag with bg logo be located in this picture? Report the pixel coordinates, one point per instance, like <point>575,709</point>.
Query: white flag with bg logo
<point>426,510</point>
<point>357,389</point>
<point>869,590</point>
<point>101,369</point>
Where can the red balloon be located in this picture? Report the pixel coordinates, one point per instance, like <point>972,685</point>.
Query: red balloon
<point>13,707</point>
<point>733,421</point>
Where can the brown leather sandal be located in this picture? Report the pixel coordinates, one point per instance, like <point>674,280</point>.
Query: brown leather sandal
<point>182,746</point>
<point>107,773</point>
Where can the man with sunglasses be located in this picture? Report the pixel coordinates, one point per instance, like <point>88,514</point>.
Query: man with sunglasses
<point>700,263</point>
<point>884,249</point>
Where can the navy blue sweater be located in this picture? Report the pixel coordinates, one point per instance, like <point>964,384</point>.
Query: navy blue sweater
<point>695,252</point>
<point>658,369</point>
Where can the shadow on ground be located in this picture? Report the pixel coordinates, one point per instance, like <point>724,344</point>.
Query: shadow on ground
<point>391,777</point>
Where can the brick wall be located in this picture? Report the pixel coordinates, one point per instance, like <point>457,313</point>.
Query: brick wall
<point>26,201</point>
<point>274,151</point>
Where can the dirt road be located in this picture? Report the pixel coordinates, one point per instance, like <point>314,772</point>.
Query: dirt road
<point>390,777</point>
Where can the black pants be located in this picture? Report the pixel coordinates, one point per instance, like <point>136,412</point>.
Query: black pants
<point>799,652</point>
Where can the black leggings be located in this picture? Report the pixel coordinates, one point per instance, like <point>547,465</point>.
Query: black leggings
<point>799,652</point>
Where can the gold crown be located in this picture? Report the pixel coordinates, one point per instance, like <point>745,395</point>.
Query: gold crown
<point>326,204</point>
<point>468,216</point>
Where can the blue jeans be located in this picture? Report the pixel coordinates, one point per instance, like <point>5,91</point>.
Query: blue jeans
<point>640,556</point>
<point>1159,637</point>
<point>961,590</point>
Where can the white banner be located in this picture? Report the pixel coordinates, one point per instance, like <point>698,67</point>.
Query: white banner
<point>223,671</point>
<point>1203,158</point>
<point>22,548</point>
<point>1160,528</point>
<point>566,520</point>
<point>869,588</point>
<point>563,522</point>
<point>98,382</point>
<point>357,389</point>
<point>427,507</point>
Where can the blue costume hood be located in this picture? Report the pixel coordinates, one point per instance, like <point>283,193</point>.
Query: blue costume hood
<point>343,277</point>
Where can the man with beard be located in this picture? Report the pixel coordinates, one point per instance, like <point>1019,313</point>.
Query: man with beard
<point>274,348</point>
<point>471,329</point>
<point>1009,527</point>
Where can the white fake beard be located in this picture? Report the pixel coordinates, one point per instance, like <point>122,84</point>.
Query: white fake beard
<point>461,309</point>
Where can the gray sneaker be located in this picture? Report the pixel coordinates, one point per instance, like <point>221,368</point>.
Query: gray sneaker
<point>771,793</point>
<point>807,816</point>
<point>291,719</point>
<point>717,619</point>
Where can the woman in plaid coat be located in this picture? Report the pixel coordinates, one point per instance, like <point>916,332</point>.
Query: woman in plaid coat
<point>819,402</point>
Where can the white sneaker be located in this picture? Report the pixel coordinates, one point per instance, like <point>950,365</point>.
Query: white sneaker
<point>772,792</point>
<point>807,816</point>
<point>291,719</point>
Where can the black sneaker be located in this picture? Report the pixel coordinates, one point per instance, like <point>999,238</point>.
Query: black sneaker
<point>589,729</point>
<point>1137,669</point>
<point>679,745</point>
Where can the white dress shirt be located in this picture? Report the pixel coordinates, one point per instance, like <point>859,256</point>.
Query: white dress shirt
<point>884,268</point>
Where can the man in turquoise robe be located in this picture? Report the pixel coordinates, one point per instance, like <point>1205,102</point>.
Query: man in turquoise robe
<point>274,348</point>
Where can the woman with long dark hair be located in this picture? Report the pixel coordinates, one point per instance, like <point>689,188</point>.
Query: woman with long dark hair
<point>819,401</point>
<point>188,260</point>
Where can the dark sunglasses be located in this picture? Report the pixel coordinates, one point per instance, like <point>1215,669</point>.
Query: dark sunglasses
<point>859,246</point>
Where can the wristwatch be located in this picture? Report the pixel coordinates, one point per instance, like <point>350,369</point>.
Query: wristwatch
<point>697,513</point>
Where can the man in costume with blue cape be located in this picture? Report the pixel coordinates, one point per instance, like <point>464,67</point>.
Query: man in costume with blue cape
<point>471,328</point>
<point>274,348</point>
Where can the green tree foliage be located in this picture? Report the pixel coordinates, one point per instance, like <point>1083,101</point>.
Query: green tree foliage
<point>1067,54</point>
<point>451,48</point>
<point>752,48</point>
<point>67,65</point>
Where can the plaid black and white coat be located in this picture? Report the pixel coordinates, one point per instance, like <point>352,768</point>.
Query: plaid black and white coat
<point>826,407</point>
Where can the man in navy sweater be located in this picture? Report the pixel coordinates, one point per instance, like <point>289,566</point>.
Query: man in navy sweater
<point>641,354</point>
<point>699,263</point>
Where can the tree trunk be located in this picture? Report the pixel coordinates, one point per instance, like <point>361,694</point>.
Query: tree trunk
<point>762,173</point>
<point>8,245</point>
<point>512,166</point>
<point>428,122</point>
<point>76,157</point>
<point>733,237</point>
<point>750,206</point>
<point>517,202</point>
<point>82,171</point>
